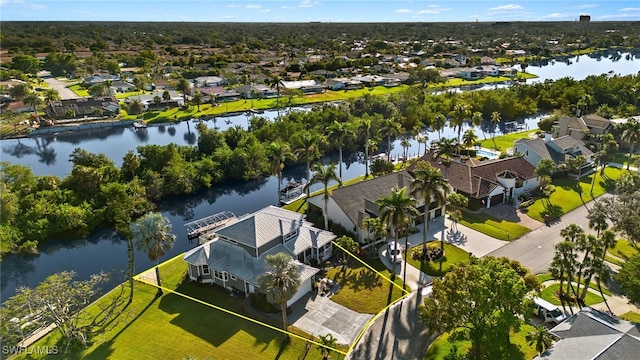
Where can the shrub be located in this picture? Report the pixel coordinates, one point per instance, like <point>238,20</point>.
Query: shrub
<point>260,303</point>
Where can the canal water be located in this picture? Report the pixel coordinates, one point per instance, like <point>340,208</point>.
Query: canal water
<point>106,251</point>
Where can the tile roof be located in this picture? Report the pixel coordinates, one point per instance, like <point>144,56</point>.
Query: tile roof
<point>593,120</point>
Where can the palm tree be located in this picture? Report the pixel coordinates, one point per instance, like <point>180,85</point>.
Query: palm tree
<point>495,120</point>
<point>422,139</point>
<point>460,113</point>
<point>32,99</point>
<point>324,175</point>
<point>406,144</point>
<point>338,131</point>
<point>428,181</point>
<point>396,211</point>
<point>152,234</point>
<point>388,129</point>
<point>563,264</point>
<point>631,134</point>
<point>437,123</point>
<point>602,274</point>
<point>546,167</point>
<point>276,81</point>
<point>329,343</point>
<point>445,151</point>
<point>279,152</point>
<point>476,120</point>
<point>51,95</point>
<point>580,162</point>
<point>541,337</point>
<point>469,138</point>
<point>307,147</point>
<point>183,87</point>
<point>197,99</point>
<point>364,129</point>
<point>108,84</point>
<point>280,282</point>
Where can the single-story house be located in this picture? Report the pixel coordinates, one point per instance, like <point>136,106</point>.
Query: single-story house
<point>207,81</point>
<point>350,205</point>
<point>83,107</point>
<point>327,74</point>
<point>100,78</point>
<point>593,334</point>
<point>306,86</point>
<point>121,86</point>
<point>147,100</point>
<point>15,107</point>
<point>233,256</point>
<point>370,80</point>
<point>218,93</point>
<point>343,84</point>
<point>558,150</point>
<point>256,91</point>
<point>508,71</point>
<point>470,74</point>
<point>488,183</point>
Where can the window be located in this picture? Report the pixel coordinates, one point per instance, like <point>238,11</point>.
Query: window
<point>205,270</point>
<point>221,275</point>
<point>233,277</point>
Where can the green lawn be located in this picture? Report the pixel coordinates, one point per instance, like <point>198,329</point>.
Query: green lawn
<point>453,255</point>
<point>623,158</point>
<point>362,289</point>
<point>488,225</point>
<point>631,316</point>
<point>518,349</point>
<point>624,249</point>
<point>504,142</point>
<point>176,327</point>
<point>549,294</point>
<point>566,196</point>
<point>79,90</point>
<point>592,285</point>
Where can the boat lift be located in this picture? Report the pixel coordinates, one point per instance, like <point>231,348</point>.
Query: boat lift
<point>200,226</point>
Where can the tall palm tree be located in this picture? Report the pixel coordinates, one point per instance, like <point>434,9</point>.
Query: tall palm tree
<point>279,153</point>
<point>152,234</point>
<point>428,181</point>
<point>546,167</point>
<point>541,338</point>
<point>183,87</point>
<point>437,123</point>
<point>329,343</point>
<point>406,144</point>
<point>307,147</point>
<point>631,134</point>
<point>495,120</point>
<point>280,282</point>
<point>32,99</point>
<point>338,132</point>
<point>397,210</point>
<point>469,138</point>
<point>476,120</point>
<point>388,129</point>
<point>364,130</point>
<point>51,95</point>
<point>563,264</point>
<point>602,274</point>
<point>445,150</point>
<point>197,99</point>
<point>460,113</point>
<point>276,81</point>
<point>324,175</point>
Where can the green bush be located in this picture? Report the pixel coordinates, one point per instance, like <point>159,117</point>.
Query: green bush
<point>260,303</point>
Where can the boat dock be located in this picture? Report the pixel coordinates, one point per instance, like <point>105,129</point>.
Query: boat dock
<point>200,226</point>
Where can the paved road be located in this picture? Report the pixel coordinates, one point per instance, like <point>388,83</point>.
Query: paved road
<point>61,87</point>
<point>535,250</point>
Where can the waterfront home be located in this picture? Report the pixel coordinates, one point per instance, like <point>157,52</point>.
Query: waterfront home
<point>97,106</point>
<point>558,150</point>
<point>586,128</point>
<point>233,255</point>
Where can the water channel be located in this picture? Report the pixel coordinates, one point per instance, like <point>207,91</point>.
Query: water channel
<point>106,251</point>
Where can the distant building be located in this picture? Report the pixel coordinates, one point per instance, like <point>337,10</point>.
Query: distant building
<point>585,18</point>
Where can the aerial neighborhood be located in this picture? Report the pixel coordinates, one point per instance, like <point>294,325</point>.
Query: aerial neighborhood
<point>401,190</point>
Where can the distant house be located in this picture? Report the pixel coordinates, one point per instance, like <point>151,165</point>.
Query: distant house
<point>470,74</point>
<point>592,334</point>
<point>327,74</point>
<point>370,80</point>
<point>208,81</point>
<point>558,150</point>
<point>506,71</point>
<point>15,107</point>
<point>491,182</point>
<point>256,91</point>
<point>99,106</point>
<point>219,93</point>
<point>122,86</point>
<point>516,52</point>
<point>586,128</point>
<point>148,100</point>
<point>306,86</point>
<point>350,205</point>
<point>100,78</point>
<point>343,84</point>
<point>233,256</point>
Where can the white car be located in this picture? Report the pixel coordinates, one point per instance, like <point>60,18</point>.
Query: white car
<point>394,252</point>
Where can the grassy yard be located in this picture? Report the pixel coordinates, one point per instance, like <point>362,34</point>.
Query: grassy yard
<point>363,290</point>
<point>504,142</point>
<point>569,194</point>
<point>453,255</point>
<point>624,249</point>
<point>79,90</point>
<point>631,316</point>
<point>175,327</point>
<point>519,349</point>
<point>499,229</point>
<point>592,285</point>
<point>549,294</point>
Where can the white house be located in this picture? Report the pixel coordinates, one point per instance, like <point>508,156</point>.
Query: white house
<point>233,256</point>
<point>558,150</point>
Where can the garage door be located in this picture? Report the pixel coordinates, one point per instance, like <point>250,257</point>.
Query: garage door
<point>497,199</point>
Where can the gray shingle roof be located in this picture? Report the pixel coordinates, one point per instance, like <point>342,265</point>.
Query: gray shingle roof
<point>592,334</point>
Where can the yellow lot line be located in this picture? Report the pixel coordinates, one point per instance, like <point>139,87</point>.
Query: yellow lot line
<point>351,347</point>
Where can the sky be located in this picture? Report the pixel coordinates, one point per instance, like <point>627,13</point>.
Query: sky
<point>317,10</point>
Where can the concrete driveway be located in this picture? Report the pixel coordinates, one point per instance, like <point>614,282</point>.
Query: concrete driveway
<point>319,315</point>
<point>61,88</point>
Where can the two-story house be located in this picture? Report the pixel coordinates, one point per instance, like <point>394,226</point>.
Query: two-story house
<point>586,128</point>
<point>558,150</point>
<point>233,256</point>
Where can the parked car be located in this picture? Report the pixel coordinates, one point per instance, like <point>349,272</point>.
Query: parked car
<point>394,252</point>
<point>548,311</point>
